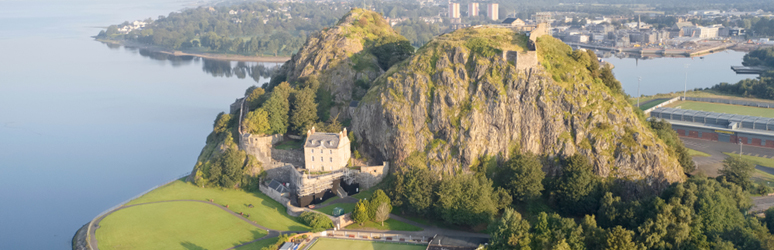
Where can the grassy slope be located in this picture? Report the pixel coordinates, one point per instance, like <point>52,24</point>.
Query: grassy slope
<point>324,244</point>
<point>389,224</point>
<point>695,153</point>
<point>174,225</point>
<point>725,108</point>
<point>348,208</point>
<point>258,245</point>
<point>265,212</point>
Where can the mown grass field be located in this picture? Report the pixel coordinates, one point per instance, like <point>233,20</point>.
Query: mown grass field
<point>724,108</point>
<point>326,244</point>
<point>389,224</point>
<point>174,225</point>
<point>265,211</point>
<point>258,245</point>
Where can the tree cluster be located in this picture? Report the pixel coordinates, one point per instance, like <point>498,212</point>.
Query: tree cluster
<point>317,221</point>
<point>376,209</point>
<point>763,87</point>
<point>665,132</point>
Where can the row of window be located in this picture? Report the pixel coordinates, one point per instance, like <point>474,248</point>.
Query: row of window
<point>322,158</point>
<point>321,151</point>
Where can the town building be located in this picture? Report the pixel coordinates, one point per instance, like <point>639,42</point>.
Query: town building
<point>700,31</point>
<point>324,152</point>
<point>747,130</point>
<point>454,10</point>
<point>493,11</point>
<point>473,9</point>
<point>513,22</point>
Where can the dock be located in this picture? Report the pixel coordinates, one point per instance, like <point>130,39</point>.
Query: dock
<point>751,70</point>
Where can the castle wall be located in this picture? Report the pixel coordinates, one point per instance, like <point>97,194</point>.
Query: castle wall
<point>259,146</point>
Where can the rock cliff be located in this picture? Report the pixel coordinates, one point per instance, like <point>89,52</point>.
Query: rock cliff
<point>457,99</point>
<point>338,57</point>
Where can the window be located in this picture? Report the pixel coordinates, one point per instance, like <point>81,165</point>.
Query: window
<point>312,151</point>
<point>330,151</point>
<point>331,159</point>
<point>312,158</point>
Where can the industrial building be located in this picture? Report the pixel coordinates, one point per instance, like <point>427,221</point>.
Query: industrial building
<point>748,130</point>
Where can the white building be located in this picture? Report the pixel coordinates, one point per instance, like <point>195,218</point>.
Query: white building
<point>325,152</point>
<point>473,9</point>
<point>454,10</point>
<point>493,11</point>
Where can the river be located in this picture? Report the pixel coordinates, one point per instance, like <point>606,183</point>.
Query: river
<point>664,75</point>
<point>84,126</point>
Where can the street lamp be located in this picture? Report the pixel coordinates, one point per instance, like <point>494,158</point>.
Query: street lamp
<point>740,147</point>
<point>685,89</point>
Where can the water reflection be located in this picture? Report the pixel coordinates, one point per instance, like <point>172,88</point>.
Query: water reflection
<point>258,71</point>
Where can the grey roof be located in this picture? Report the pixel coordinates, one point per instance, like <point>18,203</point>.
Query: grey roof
<point>510,20</point>
<point>458,242</point>
<point>277,186</point>
<point>319,139</point>
<point>286,246</point>
<point>720,119</point>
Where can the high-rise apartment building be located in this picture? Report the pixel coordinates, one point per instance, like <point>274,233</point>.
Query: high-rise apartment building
<point>472,9</point>
<point>454,10</point>
<point>493,11</point>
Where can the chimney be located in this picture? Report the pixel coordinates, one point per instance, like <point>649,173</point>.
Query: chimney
<point>308,133</point>
<point>344,133</point>
<point>312,129</point>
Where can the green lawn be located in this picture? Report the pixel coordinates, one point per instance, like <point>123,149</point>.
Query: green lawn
<point>724,108</point>
<point>258,245</point>
<point>326,243</point>
<point>348,208</point>
<point>692,152</point>
<point>265,211</point>
<point>389,224</point>
<point>174,225</point>
<point>290,144</point>
<point>645,105</point>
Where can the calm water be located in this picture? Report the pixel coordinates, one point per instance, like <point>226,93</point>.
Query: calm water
<point>84,126</point>
<point>664,75</point>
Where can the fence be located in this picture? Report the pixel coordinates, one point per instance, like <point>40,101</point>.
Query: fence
<point>376,236</point>
<point>733,102</point>
<point>91,223</point>
<point>647,111</point>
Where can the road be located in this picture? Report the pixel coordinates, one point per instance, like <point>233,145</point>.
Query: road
<point>710,165</point>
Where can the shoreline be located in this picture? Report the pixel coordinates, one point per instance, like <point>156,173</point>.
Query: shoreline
<point>222,57</point>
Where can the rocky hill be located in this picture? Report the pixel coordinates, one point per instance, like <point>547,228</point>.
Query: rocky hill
<point>339,58</point>
<point>461,97</point>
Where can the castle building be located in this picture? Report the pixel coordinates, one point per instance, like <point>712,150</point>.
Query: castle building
<point>326,151</point>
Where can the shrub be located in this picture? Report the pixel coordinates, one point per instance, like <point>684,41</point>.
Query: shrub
<point>317,221</point>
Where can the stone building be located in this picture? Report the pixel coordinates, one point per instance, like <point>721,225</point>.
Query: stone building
<point>326,151</point>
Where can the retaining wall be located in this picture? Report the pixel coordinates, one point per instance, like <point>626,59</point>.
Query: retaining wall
<point>647,111</point>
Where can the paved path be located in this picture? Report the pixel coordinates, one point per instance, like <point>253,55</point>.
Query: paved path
<point>710,165</point>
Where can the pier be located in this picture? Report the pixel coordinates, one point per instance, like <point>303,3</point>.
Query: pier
<point>752,70</point>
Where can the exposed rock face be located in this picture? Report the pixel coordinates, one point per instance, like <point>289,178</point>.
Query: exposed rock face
<point>336,56</point>
<point>451,105</point>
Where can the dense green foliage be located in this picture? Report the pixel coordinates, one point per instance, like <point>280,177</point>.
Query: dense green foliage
<point>522,176</point>
<point>466,200</point>
<point>304,111</point>
<point>572,189</point>
<point>762,87</point>
<point>391,50</point>
<point>665,132</point>
<point>317,221</point>
<point>360,214</point>
<point>376,208</point>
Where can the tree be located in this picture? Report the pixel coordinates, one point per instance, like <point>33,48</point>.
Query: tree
<point>278,107</point>
<point>466,200</point>
<point>360,214</point>
<point>231,162</point>
<point>377,198</point>
<point>256,122</point>
<point>618,238</point>
<point>738,171</point>
<point>317,221</point>
<point>573,188</point>
<point>391,50</point>
<point>769,220</point>
<point>382,212</point>
<point>414,189</point>
<point>609,79</point>
<point>253,97</point>
<point>509,232</point>
<point>523,177</point>
<point>304,113</point>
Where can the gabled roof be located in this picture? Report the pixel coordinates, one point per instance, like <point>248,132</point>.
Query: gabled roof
<point>511,20</point>
<point>319,139</point>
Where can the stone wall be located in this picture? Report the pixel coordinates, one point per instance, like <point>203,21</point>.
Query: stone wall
<point>293,157</point>
<point>371,175</point>
<point>273,194</point>
<point>259,146</point>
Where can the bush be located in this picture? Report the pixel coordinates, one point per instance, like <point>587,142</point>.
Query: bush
<point>317,221</point>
